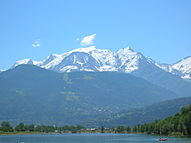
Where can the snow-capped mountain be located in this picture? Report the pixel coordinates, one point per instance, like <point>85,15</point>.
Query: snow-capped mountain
<point>26,61</point>
<point>51,61</point>
<point>184,66</point>
<point>181,68</point>
<point>128,60</point>
<point>93,59</point>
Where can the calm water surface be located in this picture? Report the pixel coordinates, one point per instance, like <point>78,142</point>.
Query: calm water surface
<point>88,138</point>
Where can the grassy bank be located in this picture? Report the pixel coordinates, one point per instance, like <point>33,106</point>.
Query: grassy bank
<point>20,133</point>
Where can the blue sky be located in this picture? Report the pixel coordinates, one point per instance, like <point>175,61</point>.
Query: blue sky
<point>160,29</point>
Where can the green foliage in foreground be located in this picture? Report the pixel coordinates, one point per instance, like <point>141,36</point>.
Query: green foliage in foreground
<point>177,125</point>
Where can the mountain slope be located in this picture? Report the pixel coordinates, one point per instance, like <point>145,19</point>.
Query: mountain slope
<point>124,60</point>
<point>184,67</point>
<point>32,94</point>
<point>164,79</point>
<point>147,114</point>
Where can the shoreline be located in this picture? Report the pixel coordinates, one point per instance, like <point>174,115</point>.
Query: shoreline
<point>44,133</point>
<point>54,133</point>
<point>20,133</point>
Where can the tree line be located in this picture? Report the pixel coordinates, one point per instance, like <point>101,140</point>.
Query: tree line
<point>177,125</point>
<point>21,127</point>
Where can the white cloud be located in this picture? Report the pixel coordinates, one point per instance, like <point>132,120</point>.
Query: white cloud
<point>88,40</point>
<point>36,43</point>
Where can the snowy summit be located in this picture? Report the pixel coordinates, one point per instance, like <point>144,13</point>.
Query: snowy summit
<point>93,59</point>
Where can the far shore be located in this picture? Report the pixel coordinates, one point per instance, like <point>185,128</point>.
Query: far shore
<point>83,132</point>
<point>44,133</point>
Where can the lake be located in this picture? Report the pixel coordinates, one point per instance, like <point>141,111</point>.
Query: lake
<point>88,138</point>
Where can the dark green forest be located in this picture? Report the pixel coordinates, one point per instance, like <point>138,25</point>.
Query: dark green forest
<point>177,125</point>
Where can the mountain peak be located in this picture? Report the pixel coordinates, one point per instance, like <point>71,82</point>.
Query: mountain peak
<point>24,61</point>
<point>51,57</point>
<point>187,58</point>
<point>184,66</point>
<point>54,55</point>
<point>127,50</point>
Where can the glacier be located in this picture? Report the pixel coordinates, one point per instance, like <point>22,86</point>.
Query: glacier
<point>92,59</point>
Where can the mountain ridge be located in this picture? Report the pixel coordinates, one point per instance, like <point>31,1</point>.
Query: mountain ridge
<point>124,60</point>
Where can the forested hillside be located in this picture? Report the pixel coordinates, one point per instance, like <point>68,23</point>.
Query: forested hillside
<point>177,125</point>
